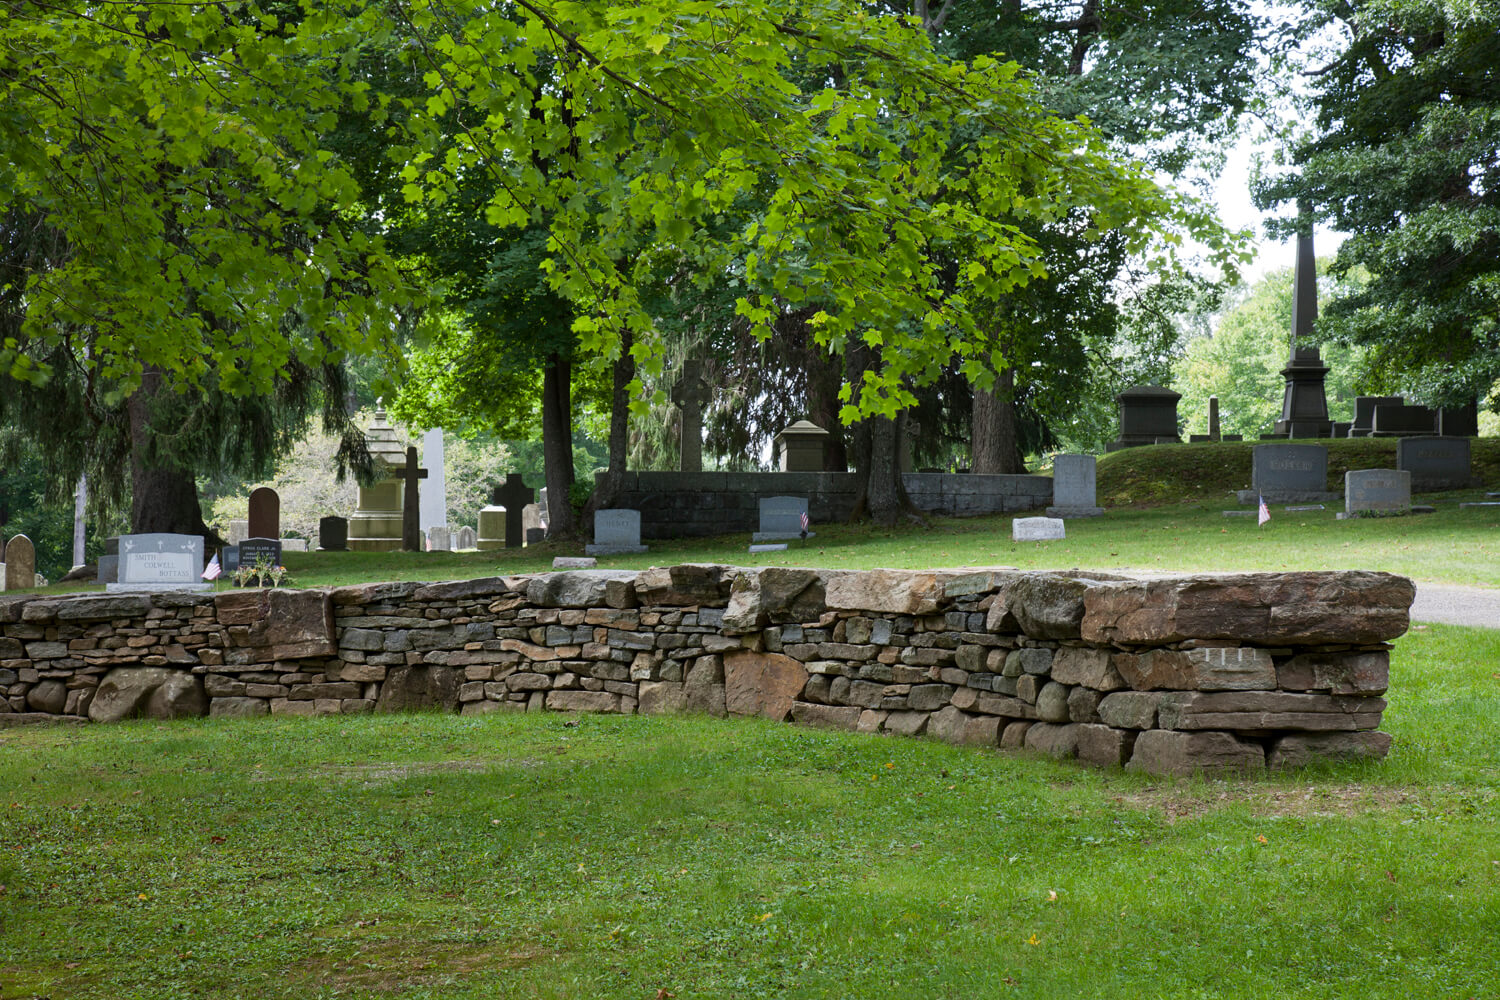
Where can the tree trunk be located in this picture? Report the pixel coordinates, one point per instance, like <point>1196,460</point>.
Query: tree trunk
<point>992,446</point>
<point>164,496</point>
<point>619,427</point>
<point>877,465</point>
<point>823,409</point>
<point>557,445</point>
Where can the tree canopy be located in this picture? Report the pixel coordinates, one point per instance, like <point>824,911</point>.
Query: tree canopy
<point>1402,156</point>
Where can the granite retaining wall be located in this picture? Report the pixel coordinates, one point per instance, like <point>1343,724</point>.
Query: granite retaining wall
<point>1236,673</point>
<point>699,504</point>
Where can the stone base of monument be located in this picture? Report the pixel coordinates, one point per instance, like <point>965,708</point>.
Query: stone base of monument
<point>615,550</point>
<point>374,544</point>
<point>1067,512</point>
<point>779,536</point>
<point>146,588</point>
<point>1254,497</point>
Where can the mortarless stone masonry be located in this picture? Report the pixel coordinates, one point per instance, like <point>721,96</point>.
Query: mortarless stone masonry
<point>1205,674</point>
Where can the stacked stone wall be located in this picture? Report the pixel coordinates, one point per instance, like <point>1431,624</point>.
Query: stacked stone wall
<point>1235,673</point>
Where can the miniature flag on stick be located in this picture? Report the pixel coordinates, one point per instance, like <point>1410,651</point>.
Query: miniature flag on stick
<point>212,570</point>
<point>804,525</point>
<point>1265,513</point>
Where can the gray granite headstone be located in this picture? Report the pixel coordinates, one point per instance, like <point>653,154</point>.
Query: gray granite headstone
<point>1073,487</point>
<point>1289,473</point>
<point>781,519</point>
<point>1404,421</point>
<point>616,532</point>
<point>238,531</point>
<point>160,561</point>
<point>267,549</point>
<point>465,539</point>
<point>333,534</point>
<point>1037,529</point>
<point>1435,463</point>
<point>109,569</point>
<point>1377,492</point>
<point>20,564</point>
<point>1364,413</point>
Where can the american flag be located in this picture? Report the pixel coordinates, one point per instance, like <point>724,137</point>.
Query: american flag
<point>804,524</point>
<point>1265,513</point>
<point>212,570</point>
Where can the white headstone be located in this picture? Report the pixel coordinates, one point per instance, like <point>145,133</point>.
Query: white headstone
<point>574,562</point>
<point>433,505</point>
<point>1037,529</point>
<point>1073,487</point>
<point>438,539</point>
<point>465,539</point>
<point>160,561</point>
<point>781,519</point>
<point>616,532</point>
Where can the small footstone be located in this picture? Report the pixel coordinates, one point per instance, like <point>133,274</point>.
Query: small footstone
<point>574,562</point>
<point>1037,529</point>
<point>781,547</point>
<point>1240,513</point>
<point>1315,506</point>
<point>1421,508</point>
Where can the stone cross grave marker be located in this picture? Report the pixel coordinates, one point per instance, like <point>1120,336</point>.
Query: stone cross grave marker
<point>467,539</point>
<point>160,561</point>
<point>333,534</point>
<point>265,514</point>
<point>20,564</point>
<point>411,500</point>
<point>1435,463</point>
<point>1073,489</point>
<point>1376,491</point>
<point>513,495</point>
<point>691,393</point>
<point>616,532</point>
<point>781,519</point>
<point>1288,473</point>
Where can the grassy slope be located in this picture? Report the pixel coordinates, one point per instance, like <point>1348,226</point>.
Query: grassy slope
<point>528,856</point>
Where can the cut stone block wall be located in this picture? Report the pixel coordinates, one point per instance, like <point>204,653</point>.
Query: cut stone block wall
<point>698,504</point>
<point>1235,673</point>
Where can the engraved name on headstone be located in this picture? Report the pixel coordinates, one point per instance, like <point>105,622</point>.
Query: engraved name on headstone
<point>1377,491</point>
<point>160,561</point>
<point>781,519</point>
<point>616,532</point>
<point>1435,463</point>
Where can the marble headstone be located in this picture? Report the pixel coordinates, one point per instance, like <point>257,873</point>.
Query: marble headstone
<point>438,539</point>
<point>160,561</point>
<point>1037,529</point>
<point>434,493</point>
<point>238,531</point>
<point>616,532</point>
<point>465,539</point>
<point>20,564</point>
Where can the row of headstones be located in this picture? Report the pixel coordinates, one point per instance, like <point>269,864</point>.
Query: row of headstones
<point>18,569</point>
<point>1300,471</point>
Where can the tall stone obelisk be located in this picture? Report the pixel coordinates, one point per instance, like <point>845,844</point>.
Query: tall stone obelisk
<point>1304,407</point>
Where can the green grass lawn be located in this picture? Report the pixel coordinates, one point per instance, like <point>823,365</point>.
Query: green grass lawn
<point>539,856</point>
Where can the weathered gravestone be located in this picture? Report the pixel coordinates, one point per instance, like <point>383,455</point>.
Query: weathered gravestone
<point>532,525</point>
<point>1037,529</point>
<point>781,519</point>
<point>513,495</point>
<point>1376,493</point>
<point>1073,487</point>
<point>467,539</point>
<point>20,564</point>
<point>1288,473</point>
<point>238,531</point>
<point>254,550</point>
<point>438,539</point>
<point>491,528</point>
<point>1435,463</point>
<point>690,394</point>
<point>109,562</point>
<point>294,545</point>
<point>1364,413</point>
<point>265,513</point>
<point>411,509</point>
<point>333,534</point>
<point>160,561</point>
<point>616,532</point>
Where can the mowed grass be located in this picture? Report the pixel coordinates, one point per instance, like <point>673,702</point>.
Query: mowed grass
<point>545,856</point>
<point>1453,546</point>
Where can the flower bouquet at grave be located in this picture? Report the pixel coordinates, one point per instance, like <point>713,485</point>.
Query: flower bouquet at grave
<point>265,574</point>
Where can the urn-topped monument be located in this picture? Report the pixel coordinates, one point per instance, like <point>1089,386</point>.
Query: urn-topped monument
<point>376,525</point>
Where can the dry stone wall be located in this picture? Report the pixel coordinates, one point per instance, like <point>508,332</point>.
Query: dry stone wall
<point>1235,673</point>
